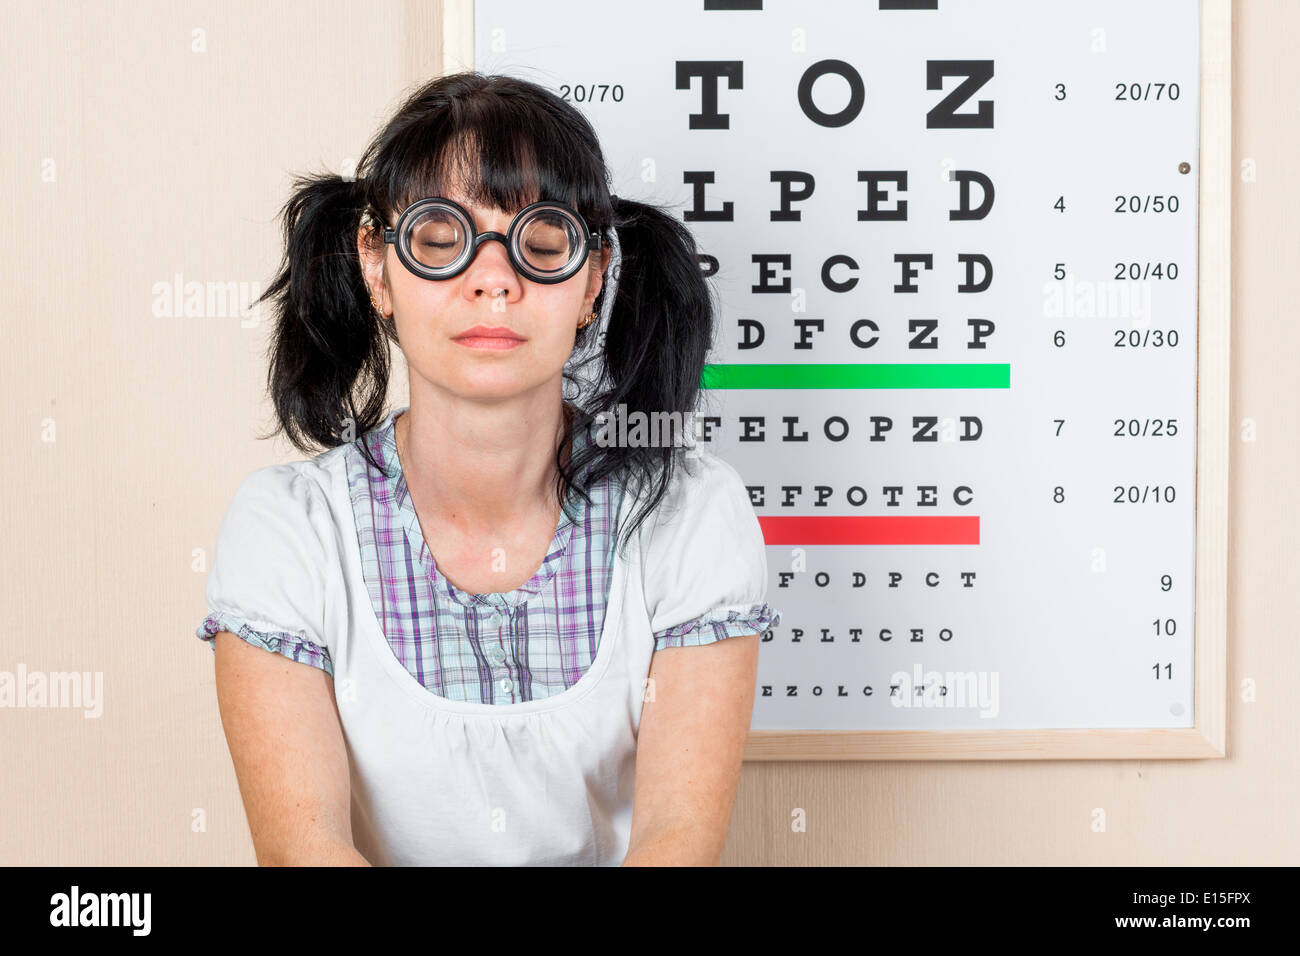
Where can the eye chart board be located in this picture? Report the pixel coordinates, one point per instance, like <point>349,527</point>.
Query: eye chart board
<point>972,260</point>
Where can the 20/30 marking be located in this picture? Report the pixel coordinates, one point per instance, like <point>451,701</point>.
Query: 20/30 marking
<point>1146,338</point>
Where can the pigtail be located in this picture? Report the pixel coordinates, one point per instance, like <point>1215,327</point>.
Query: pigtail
<point>659,333</point>
<point>329,357</point>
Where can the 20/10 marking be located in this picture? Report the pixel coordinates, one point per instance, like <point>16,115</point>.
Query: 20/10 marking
<point>1143,494</point>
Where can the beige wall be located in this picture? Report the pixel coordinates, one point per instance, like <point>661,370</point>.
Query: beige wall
<point>129,158</point>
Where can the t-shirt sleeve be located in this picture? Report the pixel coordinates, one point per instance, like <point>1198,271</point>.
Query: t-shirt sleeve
<point>267,580</point>
<point>706,563</point>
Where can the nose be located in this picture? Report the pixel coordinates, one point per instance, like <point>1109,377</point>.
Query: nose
<point>491,270</point>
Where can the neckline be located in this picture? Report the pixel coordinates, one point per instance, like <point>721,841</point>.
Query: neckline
<point>508,602</point>
<point>610,640</point>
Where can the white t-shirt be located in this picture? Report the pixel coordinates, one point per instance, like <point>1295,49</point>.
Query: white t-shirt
<point>436,781</point>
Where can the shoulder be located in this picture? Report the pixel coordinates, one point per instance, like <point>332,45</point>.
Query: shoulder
<point>700,483</point>
<point>704,550</point>
<point>277,553</point>
<point>705,495</point>
<point>276,512</point>
<point>290,498</point>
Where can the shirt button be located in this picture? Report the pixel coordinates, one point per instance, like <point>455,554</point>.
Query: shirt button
<point>497,654</point>
<point>495,619</point>
<point>506,685</point>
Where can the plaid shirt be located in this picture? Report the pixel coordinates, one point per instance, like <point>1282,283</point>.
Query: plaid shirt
<point>497,648</point>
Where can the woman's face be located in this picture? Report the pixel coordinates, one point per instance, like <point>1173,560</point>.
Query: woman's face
<point>432,316</point>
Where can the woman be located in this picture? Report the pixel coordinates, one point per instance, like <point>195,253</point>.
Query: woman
<point>482,632</point>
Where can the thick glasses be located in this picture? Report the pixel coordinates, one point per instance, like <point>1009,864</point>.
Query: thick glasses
<point>547,242</point>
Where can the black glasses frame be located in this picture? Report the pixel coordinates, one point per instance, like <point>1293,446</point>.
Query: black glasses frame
<point>400,236</point>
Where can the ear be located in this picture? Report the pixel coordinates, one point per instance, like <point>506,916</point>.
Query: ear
<point>371,250</point>
<point>596,277</point>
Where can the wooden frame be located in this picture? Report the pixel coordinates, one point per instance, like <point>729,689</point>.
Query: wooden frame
<point>1207,738</point>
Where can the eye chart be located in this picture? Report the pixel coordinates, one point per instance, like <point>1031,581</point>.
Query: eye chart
<point>958,249</point>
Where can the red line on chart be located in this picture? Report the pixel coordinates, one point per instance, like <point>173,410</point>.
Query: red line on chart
<point>873,529</point>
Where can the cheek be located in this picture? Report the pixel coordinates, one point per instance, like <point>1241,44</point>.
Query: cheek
<point>421,311</point>
<point>554,323</point>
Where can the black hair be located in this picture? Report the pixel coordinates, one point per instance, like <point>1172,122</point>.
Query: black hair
<point>329,365</point>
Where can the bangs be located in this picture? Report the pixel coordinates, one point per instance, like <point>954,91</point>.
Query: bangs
<point>498,142</point>
<point>493,160</point>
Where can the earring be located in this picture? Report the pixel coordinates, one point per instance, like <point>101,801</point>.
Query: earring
<point>378,307</point>
<point>587,319</point>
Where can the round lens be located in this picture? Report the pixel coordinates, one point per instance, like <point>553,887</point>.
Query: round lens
<point>436,237</point>
<point>548,241</point>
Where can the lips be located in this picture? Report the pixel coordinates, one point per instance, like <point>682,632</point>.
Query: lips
<point>496,338</point>
<point>496,332</point>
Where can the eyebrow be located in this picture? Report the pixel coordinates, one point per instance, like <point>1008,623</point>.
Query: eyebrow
<point>478,213</point>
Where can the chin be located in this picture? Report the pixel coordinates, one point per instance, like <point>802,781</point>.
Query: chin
<point>492,387</point>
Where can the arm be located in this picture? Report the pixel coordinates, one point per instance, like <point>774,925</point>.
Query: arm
<point>690,747</point>
<point>286,741</point>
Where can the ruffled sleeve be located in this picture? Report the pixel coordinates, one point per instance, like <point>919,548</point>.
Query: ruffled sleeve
<point>706,563</point>
<point>267,583</point>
